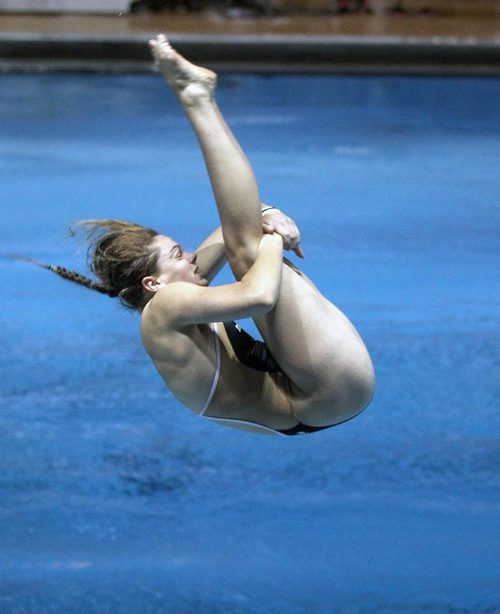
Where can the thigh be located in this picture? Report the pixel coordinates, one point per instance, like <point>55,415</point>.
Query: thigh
<point>319,350</point>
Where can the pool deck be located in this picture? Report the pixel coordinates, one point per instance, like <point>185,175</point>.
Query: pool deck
<point>322,43</point>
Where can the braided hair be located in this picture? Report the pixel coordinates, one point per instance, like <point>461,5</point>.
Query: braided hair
<point>119,253</point>
<point>71,276</point>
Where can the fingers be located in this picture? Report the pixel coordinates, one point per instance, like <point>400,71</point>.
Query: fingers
<point>287,229</point>
<point>291,235</point>
<point>298,251</point>
<point>289,242</point>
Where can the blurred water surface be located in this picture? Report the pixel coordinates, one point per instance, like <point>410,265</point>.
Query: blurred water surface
<point>116,499</point>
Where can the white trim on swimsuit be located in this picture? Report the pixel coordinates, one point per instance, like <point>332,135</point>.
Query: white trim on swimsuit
<point>215,382</point>
<point>213,326</point>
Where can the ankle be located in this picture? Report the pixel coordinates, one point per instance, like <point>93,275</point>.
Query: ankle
<point>195,94</point>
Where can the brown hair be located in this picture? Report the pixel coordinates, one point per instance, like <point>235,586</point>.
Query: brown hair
<point>119,254</point>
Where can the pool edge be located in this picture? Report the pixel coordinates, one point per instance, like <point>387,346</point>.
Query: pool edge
<point>254,53</point>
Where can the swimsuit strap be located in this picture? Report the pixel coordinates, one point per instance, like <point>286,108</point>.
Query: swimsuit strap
<point>213,326</point>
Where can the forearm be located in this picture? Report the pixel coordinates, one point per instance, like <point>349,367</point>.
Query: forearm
<point>254,295</point>
<point>211,255</point>
<point>264,276</point>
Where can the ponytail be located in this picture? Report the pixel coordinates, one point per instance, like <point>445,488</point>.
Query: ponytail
<point>120,254</point>
<point>72,276</point>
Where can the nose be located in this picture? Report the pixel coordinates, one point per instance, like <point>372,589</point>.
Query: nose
<point>193,258</point>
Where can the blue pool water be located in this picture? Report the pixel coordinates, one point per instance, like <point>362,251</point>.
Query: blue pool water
<point>113,498</point>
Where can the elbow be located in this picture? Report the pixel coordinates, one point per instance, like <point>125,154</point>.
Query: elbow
<point>265,300</point>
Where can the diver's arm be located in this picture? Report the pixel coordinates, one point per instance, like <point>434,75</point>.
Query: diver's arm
<point>211,255</point>
<point>181,304</point>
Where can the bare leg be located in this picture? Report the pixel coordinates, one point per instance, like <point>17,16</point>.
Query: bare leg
<point>232,178</point>
<point>329,368</point>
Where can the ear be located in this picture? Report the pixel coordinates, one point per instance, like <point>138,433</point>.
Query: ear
<point>152,284</point>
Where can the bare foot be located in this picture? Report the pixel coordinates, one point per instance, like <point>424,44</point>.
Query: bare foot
<point>188,81</point>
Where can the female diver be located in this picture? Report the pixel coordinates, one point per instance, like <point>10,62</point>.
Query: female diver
<point>312,371</point>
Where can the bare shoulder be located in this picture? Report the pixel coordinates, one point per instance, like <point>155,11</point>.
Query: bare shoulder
<point>160,328</point>
<point>168,304</point>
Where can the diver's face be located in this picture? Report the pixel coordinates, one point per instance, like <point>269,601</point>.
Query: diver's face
<point>175,264</point>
